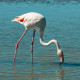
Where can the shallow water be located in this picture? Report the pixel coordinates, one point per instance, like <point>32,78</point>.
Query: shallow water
<point>63,24</point>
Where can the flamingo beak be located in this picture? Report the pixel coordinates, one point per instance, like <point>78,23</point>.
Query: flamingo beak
<point>15,19</point>
<point>61,59</point>
<point>12,20</point>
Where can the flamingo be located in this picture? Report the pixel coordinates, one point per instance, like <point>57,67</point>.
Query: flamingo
<point>35,21</point>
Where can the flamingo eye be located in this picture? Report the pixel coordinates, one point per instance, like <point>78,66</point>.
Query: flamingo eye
<point>21,20</point>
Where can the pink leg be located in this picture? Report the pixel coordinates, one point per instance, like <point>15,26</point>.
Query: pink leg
<point>17,45</point>
<point>32,47</point>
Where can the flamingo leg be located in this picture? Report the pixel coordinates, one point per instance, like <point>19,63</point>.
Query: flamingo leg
<point>17,45</point>
<point>32,47</point>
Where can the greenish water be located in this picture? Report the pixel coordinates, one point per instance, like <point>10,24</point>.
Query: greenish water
<point>63,24</point>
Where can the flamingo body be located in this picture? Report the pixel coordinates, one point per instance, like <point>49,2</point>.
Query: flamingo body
<point>35,21</point>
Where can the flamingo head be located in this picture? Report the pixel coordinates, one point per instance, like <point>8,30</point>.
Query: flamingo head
<point>60,54</point>
<point>18,19</point>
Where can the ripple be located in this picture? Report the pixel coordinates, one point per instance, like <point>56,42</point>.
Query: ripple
<point>63,2</point>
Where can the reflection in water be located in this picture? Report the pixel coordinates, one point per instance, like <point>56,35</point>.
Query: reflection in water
<point>31,72</point>
<point>40,1</point>
<point>59,73</point>
<point>14,68</point>
<point>16,72</point>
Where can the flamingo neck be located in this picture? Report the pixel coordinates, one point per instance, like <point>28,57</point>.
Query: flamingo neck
<point>50,42</point>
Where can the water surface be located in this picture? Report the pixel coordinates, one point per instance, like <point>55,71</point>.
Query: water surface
<point>63,24</point>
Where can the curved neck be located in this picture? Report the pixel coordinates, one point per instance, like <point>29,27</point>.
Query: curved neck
<point>50,42</point>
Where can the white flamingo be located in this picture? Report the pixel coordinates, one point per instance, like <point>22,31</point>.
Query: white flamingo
<point>35,21</point>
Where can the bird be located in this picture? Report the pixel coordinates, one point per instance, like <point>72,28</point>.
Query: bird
<point>35,21</point>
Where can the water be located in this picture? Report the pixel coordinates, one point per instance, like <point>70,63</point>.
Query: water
<point>63,24</point>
